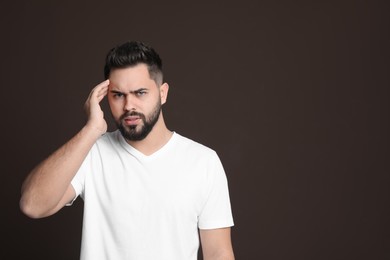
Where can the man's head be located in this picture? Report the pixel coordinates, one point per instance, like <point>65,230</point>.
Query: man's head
<point>136,90</point>
<point>133,53</point>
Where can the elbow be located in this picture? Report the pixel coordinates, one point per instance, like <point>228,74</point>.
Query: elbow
<point>30,210</point>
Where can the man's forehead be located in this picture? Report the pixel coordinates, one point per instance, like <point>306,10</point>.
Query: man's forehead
<point>140,68</point>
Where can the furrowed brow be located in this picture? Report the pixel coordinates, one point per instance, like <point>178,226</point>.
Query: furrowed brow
<point>138,90</point>
<point>116,92</point>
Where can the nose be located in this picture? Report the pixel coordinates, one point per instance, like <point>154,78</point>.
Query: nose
<point>129,103</point>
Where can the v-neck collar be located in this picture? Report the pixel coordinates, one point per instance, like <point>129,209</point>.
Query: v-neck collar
<point>133,151</point>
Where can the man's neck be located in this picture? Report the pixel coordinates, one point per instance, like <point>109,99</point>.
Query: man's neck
<point>155,140</point>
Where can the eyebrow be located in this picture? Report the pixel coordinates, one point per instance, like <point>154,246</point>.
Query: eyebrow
<point>131,92</point>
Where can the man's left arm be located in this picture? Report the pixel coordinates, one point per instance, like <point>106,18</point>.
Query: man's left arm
<point>216,244</point>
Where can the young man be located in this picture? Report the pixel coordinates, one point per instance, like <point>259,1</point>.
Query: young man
<point>149,193</point>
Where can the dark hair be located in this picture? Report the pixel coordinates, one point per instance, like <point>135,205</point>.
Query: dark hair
<point>133,53</point>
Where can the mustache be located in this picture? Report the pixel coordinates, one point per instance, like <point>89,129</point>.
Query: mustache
<point>132,113</point>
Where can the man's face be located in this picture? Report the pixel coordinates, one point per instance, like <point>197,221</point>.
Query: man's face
<point>135,101</point>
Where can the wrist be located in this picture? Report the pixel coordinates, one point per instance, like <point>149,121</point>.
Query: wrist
<point>93,131</point>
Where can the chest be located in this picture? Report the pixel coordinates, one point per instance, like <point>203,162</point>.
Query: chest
<point>159,189</point>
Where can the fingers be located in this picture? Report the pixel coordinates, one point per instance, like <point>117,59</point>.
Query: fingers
<point>100,91</point>
<point>92,107</point>
<point>95,96</point>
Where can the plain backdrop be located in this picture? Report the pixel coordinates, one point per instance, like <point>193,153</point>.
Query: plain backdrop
<point>293,96</point>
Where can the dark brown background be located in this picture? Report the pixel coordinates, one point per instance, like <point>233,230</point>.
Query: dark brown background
<point>293,95</point>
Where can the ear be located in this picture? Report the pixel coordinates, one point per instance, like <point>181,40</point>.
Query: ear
<point>164,93</point>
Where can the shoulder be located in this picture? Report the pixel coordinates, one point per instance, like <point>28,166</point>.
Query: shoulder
<point>109,140</point>
<point>109,137</point>
<point>189,143</point>
<point>193,148</point>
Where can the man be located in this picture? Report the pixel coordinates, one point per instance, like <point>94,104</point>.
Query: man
<point>149,193</point>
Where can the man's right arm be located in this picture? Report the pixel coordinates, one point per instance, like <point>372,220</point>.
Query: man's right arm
<point>48,187</point>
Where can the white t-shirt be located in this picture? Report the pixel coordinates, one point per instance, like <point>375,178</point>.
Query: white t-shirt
<point>150,207</point>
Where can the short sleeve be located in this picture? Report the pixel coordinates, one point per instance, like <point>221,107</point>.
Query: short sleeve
<point>216,212</point>
<point>78,180</point>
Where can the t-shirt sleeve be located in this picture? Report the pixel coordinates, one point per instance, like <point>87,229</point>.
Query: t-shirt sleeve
<point>78,180</point>
<point>216,212</point>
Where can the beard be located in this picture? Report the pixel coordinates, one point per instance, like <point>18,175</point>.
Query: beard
<point>131,133</point>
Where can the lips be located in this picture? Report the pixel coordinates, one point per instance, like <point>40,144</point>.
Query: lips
<point>131,120</point>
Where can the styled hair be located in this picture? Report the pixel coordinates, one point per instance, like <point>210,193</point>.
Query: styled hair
<point>132,53</point>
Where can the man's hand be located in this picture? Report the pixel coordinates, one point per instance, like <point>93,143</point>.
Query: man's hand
<point>48,187</point>
<point>93,109</point>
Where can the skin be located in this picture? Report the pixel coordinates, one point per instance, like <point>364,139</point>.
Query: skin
<point>132,89</point>
<point>48,187</point>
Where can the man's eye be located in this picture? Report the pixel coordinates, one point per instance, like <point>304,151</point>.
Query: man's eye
<point>140,93</point>
<point>118,95</point>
